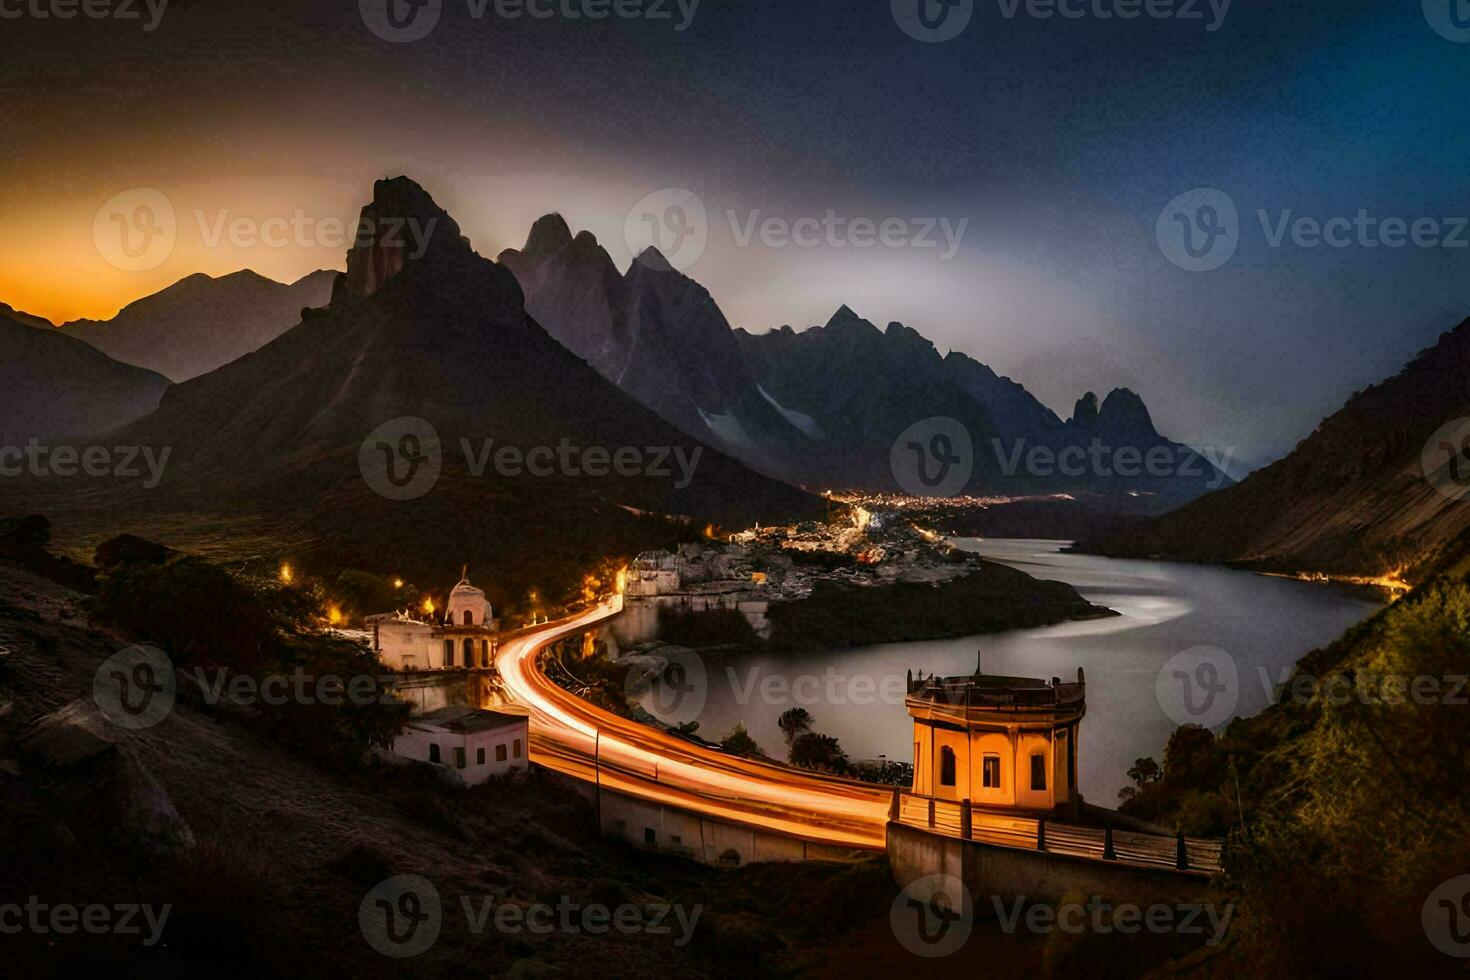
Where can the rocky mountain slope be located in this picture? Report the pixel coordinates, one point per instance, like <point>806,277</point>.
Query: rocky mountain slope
<point>821,407</point>
<point>1377,490</point>
<point>55,386</point>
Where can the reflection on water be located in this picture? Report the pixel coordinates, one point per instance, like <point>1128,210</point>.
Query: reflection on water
<point>1264,624</point>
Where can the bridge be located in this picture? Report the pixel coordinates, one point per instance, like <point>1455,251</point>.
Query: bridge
<point>648,770</point>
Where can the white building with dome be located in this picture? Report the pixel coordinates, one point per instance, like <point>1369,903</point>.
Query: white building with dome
<point>465,639</point>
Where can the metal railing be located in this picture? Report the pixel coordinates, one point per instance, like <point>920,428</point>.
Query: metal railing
<point>967,821</point>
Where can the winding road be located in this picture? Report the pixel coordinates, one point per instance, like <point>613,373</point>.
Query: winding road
<point>572,737</point>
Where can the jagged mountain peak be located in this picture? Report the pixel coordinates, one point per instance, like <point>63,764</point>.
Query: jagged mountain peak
<point>1086,411</point>
<point>405,224</point>
<point>549,233</point>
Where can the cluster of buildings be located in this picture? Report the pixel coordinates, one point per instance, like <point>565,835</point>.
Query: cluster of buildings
<point>466,744</point>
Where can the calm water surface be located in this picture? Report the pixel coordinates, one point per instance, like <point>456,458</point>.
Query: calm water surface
<point>1263,624</point>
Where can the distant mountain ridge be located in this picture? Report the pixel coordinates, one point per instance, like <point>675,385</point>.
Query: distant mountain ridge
<point>54,386</point>
<point>201,322</point>
<point>1353,498</point>
<point>818,407</point>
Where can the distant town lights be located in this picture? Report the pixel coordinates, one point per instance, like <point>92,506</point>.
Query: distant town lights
<point>286,574</point>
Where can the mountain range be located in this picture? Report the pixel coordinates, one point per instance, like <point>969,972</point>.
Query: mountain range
<point>441,347</point>
<point>201,322</point>
<point>1377,490</point>
<point>821,406</point>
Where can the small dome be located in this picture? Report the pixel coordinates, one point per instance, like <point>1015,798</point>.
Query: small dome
<point>468,605</point>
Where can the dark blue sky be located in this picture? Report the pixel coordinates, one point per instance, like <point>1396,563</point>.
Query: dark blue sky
<point>1058,141</point>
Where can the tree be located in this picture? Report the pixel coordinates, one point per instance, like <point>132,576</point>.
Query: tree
<point>815,751</point>
<point>793,723</point>
<point>1145,771</point>
<point>739,742</point>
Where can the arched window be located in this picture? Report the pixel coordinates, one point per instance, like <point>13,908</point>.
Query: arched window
<point>484,653</point>
<point>469,618</point>
<point>449,653</point>
<point>946,766</point>
<point>469,652</point>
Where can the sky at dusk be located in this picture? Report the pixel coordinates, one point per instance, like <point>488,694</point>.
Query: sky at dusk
<point>1055,144</point>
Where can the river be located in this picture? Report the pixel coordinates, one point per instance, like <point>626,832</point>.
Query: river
<point>1174,619</point>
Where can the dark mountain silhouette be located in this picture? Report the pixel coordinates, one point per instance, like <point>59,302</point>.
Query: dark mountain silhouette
<point>854,389</point>
<point>860,386</point>
<point>1353,498</point>
<point>200,323</point>
<point>30,320</point>
<point>821,407</point>
<point>658,335</point>
<point>446,339</point>
<point>56,387</point>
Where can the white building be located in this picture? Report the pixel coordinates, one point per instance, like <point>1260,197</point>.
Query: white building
<point>468,745</point>
<point>465,638</point>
